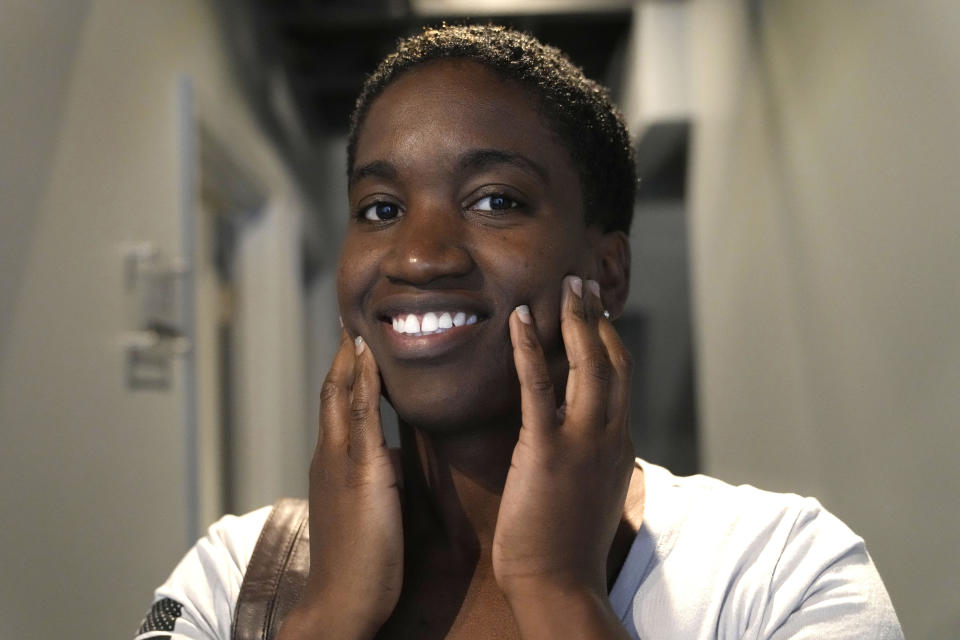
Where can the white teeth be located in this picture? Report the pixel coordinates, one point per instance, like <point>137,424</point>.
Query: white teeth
<point>412,325</point>
<point>429,323</point>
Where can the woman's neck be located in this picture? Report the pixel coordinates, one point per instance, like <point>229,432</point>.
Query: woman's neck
<point>453,484</point>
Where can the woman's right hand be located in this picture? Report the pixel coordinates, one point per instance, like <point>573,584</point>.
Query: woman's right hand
<point>356,532</point>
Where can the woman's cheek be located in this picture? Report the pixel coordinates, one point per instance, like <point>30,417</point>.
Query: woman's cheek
<point>357,266</point>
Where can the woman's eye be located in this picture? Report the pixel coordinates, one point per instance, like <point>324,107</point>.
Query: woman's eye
<point>380,212</point>
<point>496,202</point>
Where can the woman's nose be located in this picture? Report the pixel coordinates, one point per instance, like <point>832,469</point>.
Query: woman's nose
<point>428,246</point>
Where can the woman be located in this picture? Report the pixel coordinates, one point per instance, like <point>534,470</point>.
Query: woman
<point>491,190</point>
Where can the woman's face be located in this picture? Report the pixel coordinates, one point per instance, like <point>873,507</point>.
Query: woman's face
<point>463,206</point>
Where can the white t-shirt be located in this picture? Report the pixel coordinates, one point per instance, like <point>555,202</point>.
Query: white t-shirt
<point>710,561</point>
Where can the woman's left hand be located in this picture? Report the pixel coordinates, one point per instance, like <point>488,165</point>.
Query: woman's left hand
<point>565,491</point>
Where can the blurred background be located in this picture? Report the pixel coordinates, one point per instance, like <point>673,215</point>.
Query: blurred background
<point>172,194</point>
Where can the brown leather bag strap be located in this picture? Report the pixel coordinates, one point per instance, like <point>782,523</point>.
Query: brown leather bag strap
<point>277,572</point>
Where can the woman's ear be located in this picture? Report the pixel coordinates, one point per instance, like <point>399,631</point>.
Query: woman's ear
<point>612,256</point>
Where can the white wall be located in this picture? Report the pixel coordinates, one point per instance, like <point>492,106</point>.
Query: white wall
<point>657,83</point>
<point>826,261</point>
<point>93,484</point>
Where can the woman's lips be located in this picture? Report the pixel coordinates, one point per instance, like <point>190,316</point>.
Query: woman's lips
<point>431,322</point>
<point>418,325</point>
<point>408,338</point>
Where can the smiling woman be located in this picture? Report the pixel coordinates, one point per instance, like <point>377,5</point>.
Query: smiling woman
<point>490,189</point>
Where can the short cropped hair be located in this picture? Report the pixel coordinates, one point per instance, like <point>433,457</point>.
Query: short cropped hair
<point>578,110</point>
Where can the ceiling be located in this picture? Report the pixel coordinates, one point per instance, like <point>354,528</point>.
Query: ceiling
<point>315,54</point>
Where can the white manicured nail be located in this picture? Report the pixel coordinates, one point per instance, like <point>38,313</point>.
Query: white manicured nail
<point>523,312</point>
<point>594,287</point>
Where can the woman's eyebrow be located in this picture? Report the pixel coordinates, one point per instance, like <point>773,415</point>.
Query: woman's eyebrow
<point>484,158</point>
<point>376,169</point>
<point>474,160</point>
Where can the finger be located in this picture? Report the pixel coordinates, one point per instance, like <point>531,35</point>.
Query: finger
<point>590,368</point>
<point>366,434</point>
<point>618,394</point>
<point>335,395</point>
<point>538,404</point>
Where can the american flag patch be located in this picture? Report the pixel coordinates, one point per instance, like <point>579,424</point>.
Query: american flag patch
<point>161,617</point>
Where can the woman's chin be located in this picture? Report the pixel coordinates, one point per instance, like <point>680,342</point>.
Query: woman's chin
<point>456,415</point>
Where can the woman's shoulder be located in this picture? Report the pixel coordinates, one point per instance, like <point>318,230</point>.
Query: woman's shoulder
<point>197,599</point>
<point>722,560</point>
<point>701,521</point>
<point>238,533</point>
<point>674,503</point>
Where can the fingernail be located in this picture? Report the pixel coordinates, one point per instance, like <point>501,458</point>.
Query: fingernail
<point>523,312</point>
<point>594,287</point>
<point>359,343</point>
<point>576,285</point>
<point>340,320</point>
